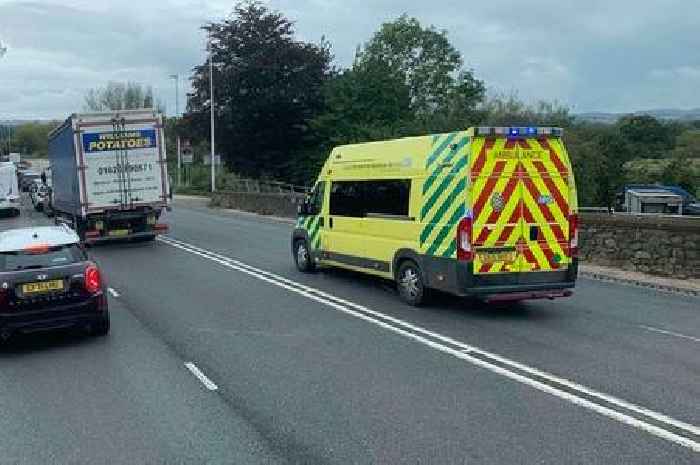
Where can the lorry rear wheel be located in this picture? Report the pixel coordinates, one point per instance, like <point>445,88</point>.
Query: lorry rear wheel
<point>411,285</point>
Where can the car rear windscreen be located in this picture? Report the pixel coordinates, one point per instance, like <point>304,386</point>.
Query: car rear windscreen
<point>55,256</point>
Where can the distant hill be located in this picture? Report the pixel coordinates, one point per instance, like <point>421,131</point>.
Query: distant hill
<point>666,114</point>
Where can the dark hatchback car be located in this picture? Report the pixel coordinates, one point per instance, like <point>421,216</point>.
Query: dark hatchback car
<point>48,282</point>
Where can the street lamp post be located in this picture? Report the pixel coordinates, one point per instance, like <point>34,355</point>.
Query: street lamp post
<point>176,77</point>
<point>211,106</point>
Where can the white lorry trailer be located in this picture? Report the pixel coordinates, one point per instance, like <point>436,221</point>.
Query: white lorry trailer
<point>109,174</point>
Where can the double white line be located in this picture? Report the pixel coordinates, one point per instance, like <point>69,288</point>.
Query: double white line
<point>657,424</point>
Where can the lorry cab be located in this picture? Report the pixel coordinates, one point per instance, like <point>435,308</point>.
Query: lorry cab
<point>488,212</point>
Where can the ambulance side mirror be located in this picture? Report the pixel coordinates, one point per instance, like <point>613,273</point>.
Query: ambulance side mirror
<point>306,208</point>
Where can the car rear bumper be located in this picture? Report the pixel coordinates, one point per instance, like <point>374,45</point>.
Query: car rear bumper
<point>64,316</point>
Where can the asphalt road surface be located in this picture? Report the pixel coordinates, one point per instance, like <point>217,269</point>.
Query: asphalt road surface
<point>220,352</point>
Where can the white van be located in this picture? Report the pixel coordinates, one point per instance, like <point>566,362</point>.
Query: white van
<point>9,191</point>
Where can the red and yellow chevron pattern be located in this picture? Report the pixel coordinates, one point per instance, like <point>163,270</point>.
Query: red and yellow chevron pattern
<point>521,193</point>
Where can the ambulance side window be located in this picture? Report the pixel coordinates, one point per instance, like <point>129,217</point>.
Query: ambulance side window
<point>358,199</point>
<point>347,199</point>
<point>388,197</point>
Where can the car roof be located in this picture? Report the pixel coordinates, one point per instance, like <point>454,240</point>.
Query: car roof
<point>18,239</point>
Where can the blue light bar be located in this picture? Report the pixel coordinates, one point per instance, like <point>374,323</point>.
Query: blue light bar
<point>514,131</point>
<point>531,131</point>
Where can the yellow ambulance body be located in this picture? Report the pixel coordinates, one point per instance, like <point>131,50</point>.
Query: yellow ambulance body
<point>488,212</point>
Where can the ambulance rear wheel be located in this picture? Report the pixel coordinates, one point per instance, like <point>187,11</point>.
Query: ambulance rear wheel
<point>410,283</point>
<point>302,256</point>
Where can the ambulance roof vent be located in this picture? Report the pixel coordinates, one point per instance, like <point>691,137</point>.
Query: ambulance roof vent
<point>515,131</point>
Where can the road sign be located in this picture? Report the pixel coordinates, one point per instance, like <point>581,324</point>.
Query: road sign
<point>187,155</point>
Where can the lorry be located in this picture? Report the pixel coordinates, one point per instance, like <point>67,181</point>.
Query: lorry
<point>9,190</point>
<point>489,212</point>
<point>109,175</point>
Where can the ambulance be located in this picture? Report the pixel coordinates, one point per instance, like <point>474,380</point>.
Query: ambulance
<point>490,212</point>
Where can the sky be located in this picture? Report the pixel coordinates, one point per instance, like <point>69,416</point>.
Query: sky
<point>593,55</point>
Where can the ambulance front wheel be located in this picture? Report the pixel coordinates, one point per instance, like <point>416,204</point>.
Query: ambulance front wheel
<point>302,256</point>
<point>411,284</point>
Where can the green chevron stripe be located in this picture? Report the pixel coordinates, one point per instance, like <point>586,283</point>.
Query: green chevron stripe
<point>450,251</point>
<point>443,185</point>
<point>436,173</point>
<point>449,201</point>
<point>445,231</point>
<point>441,148</point>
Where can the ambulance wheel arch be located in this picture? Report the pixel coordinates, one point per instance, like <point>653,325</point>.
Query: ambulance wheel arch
<point>403,255</point>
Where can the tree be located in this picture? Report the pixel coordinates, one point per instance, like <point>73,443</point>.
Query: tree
<point>268,87</point>
<point>510,110</point>
<point>646,136</point>
<point>688,144</point>
<point>429,63</point>
<point>31,139</point>
<point>120,96</point>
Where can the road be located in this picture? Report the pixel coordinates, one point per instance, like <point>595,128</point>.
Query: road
<point>221,352</point>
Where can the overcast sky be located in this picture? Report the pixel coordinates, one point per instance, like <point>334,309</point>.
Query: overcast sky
<point>607,55</point>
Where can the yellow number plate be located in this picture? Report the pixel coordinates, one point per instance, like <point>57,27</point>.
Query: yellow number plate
<point>38,288</point>
<point>497,257</point>
<point>119,232</point>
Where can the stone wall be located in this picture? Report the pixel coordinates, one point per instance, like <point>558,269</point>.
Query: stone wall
<point>284,205</point>
<point>664,246</point>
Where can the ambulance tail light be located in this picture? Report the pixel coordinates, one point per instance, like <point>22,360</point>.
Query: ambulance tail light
<point>573,235</point>
<point>465,252</point>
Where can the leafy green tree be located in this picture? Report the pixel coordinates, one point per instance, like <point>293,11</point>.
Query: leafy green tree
<point>120,96</point>
<point>268,87</point>
<point>511,110</point>
<point>645,135</point>
<point>688,144</point>
<point>430,64</point>
<point>31,139</point>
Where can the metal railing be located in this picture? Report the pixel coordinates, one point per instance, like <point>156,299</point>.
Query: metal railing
<point>246,185</point>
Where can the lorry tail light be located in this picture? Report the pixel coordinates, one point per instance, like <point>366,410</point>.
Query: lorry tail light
<point>465,251</point>
<point>573,235</point>
<point>93,279</point>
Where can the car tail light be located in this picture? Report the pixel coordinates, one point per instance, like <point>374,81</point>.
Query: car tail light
<point>161,228</point>
<point>573,235</point>
<point>4,297</point>
<point>93,279</point>
<point>464,240</point>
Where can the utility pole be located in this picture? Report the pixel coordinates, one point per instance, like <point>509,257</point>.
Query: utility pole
<point>211,106</point>
<point>176,77</point>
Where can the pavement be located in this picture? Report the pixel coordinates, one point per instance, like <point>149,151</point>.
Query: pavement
<point>221,352</point>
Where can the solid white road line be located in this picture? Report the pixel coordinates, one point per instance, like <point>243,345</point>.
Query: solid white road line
<point>467,353</point>
<point>209,384</point>
<point>465,347</point>
<point>114,293</point>
<point>670,333</point>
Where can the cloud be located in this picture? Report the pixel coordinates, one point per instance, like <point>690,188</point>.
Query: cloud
<point>597,55</point>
